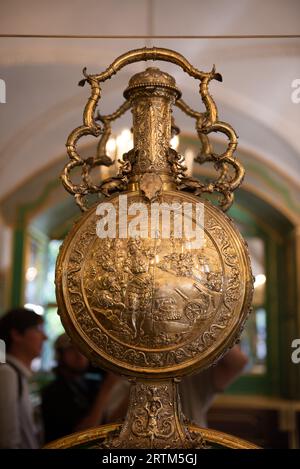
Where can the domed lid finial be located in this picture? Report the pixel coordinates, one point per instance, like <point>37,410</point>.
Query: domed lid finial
<point>152,77</point>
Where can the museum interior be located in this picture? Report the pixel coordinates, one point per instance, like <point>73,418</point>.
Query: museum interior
<point>255,46</point>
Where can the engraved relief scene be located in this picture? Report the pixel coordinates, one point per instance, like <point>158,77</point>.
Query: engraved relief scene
<point>152,292</point>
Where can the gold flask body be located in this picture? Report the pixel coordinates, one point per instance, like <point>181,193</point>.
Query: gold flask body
<point>156,305</point>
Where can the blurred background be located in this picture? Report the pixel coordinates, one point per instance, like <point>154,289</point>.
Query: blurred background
<point>259,97</point>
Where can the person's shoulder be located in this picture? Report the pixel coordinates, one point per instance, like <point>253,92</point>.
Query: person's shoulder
<point>7,372</point>
<point>8,379</point>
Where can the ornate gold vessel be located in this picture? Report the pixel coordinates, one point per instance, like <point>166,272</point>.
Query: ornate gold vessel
<point>150,297</point>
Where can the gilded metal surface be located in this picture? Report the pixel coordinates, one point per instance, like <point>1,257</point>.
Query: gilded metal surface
<point>226,183</point>
<point>152,307</point>
<point>155,306</point>
<point>150,84</point>
<point>94,438</point>
<point>151,97</point>
<point>154,420</point>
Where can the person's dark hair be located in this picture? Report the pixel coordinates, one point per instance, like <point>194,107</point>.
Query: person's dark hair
<point>61,344</point>
<point>18,319</point>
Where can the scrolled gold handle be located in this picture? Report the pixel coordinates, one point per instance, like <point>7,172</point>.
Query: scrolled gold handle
<point>154,53</point>
<point>206,123</point>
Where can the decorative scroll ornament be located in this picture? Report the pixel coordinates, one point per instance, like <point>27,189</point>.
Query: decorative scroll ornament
<point>97,125</point>
<point>154,307</point>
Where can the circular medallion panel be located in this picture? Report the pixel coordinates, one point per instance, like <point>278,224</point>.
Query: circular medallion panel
<point>157,289</point>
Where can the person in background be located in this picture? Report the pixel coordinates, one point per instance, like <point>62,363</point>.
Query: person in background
<point>198,391</point>
<point>22,331</point>
<point>73,401</point>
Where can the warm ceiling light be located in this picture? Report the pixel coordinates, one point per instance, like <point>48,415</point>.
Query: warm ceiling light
<point>38,309</point>
<point>260,279</point>
<point>174,142</point>
<point>31,274</point>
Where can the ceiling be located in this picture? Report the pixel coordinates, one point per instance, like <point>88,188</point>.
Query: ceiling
<point>44,103</point>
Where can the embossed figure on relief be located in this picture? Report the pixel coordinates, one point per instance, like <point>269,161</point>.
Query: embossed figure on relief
<point>152,419</point>
<point>139,286</point>
<point>129,297</point>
